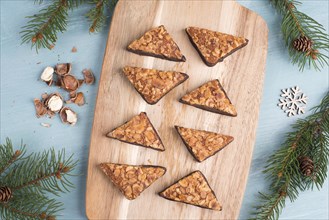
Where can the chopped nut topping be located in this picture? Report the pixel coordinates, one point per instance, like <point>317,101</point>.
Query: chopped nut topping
<point>54,102</point>
<point>214,46</point>
<point>63,69</point>
<point>138,131</point>
<point>153,84</point>
<point>47,75</point>
<point>89,77</point>
<point>130,179</point>
<point>158,43</point>
<point>193,189</point>
<point>68,116</point>
<point>203,144</point>
<point>211,97</point>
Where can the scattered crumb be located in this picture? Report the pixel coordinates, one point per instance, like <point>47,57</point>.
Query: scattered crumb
<point>74,50</point>
<point>47,125</point>
<point>51,47</point>
<point>38,63</point>
<point>149,161</point>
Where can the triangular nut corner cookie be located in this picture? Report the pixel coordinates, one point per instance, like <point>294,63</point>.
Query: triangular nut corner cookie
<point>138,131</point>
<point>214,46</point>
<point>132,180</point>
<point>157,43</point>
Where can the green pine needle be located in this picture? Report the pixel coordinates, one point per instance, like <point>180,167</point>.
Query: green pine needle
<point>30,179</point>
<point>310,137</point>
<point>97,15</point>
<point>42,29</point>
<point>296,24</point>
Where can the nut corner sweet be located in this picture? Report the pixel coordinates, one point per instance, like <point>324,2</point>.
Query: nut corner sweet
<point>211,97</point>
<point>203,144</point>
<point>214,46</point>
<point>132,180</point>
<point>192,189</point>
<point>153,84</point>
<point>138,131</point>
<point>157,43</point>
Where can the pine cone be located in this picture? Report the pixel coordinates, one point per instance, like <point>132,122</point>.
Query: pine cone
<point>5,193</point>
<point>306,165</point>
<point>302,44</point>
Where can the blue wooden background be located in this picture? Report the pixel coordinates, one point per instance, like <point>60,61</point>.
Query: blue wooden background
<point>20,72</point>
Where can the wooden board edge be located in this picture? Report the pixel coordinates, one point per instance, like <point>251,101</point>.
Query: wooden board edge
<point>263,71</point>
<point>257,15</point>
<point>114,15</point>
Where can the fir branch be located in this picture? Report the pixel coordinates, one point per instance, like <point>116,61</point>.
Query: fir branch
<point>296,24</point>
<point>42,28</point>
<point>97,15</point>
<point>30,178</point>
<point>8,156</point>
<point>309,137</point>
<point>33,206</point>
<point>44,171</point>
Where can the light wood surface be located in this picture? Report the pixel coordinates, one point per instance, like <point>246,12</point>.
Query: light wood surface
<point>241,75</point>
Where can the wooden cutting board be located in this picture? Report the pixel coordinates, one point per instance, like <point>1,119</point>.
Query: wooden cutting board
<point>241,74</point>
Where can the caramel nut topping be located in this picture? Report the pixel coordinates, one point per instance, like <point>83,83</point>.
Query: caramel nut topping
<point>203,144</point>
<point>194,190</point>
<point>130,179</point>
<point>158,43</point>
<point>211,97</point>
<point>214,46</point>
<point>153,84</point>
<point>138,131</point>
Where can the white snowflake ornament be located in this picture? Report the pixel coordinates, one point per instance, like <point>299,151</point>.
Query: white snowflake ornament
<point>293,101</point>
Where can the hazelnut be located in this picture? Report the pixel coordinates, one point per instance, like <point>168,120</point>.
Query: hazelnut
<point>74,50</point>
<point>69,83</point>
<point>63,68</point>
<point>77,98</point>
<point>40,108</point>
<point>68,116</point>
<point>54,102</point>
<point>89,77</point>
<point>81,81</point>
<point>47,75</point>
